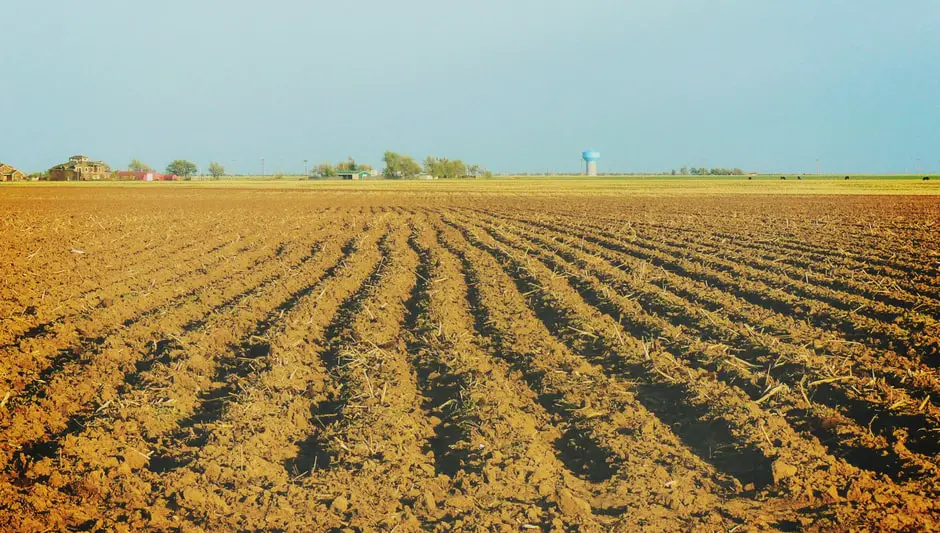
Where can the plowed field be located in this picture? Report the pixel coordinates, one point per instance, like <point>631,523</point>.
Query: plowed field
<point>267,360</point>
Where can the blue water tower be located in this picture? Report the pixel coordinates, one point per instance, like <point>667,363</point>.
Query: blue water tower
<point>590,159</point>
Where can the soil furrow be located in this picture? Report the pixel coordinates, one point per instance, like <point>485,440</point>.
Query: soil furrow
<point>701,339</point>
<point>140,415</point>
<point>795,365</point>
<point>701,434</point>
<point>836,287</point>
<point>775,440</point>
<point>83,336</point>
<point>902,373</point>
<point>851,326</point>
<point>768,273</point>
<point>491,424</point>
<point>131,270</point>
<point>431,356</point>
<point>283,382</point>
<point>582,395</point>
<point>377,441</point>
<point>780,248</point>
<point>92,378</point>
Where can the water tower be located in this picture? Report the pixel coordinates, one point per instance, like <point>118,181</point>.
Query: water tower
<point>590,160</point>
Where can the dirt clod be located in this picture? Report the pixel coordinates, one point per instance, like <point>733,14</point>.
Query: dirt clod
<point>340,504</point>
<point>783,471</point>
<point>571,505</point>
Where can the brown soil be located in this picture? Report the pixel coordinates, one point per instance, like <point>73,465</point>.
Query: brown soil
<point>263,360</point>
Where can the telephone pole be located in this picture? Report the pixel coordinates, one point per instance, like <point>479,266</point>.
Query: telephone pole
<point>262,167</point>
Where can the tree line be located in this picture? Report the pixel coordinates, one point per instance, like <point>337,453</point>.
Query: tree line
<point>400,166</point>
<point>180,167</point>
<point>397,166</point>
<point>702,171</point>
<point>327,170</point>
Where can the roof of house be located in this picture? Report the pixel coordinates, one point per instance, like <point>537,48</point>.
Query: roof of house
<point>73,163</point>
<point>7,170</point>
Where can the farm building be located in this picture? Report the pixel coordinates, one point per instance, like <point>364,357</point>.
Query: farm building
<point>130,175</point>
<point>8,173</point>
<point>79,168</point>
<point>353,174</point>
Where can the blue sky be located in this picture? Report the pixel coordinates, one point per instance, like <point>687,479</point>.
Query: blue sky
<point>513,85</point>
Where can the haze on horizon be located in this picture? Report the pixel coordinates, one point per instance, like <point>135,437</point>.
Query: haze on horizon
<point>516,86</point>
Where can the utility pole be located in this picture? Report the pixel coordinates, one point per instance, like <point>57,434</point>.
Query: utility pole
<point>818,168</point>
<point>262,167</point>
<point>305,167</point>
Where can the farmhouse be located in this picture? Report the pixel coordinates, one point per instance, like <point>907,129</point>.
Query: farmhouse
<point>8,173</point>
<point>149,175</point>
<point>79,168</point>
<point>353,174</point>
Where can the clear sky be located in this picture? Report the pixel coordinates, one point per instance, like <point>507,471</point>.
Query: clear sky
<point>516,85</point>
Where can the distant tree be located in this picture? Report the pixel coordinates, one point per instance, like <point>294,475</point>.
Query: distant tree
<point>458,169</point>
<point>137,166</point>
<point>443,168</point>
<point>325,170</point>
<point>673,172</point>
<point>399,166</point>
<point>684,171</point>
<point>349,165</point>
<point>718,171</point>
<point>216,169</point>
<point>391,160</point>
<point>408,167</point>
<point>181,167</point>
<point>431,166</point>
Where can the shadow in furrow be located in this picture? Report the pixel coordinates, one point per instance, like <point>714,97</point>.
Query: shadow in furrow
<point>801,420</point>
<point>576,450</point>
<point>313,454</point>
<point>231,371</point>
<point>160,353</point>
<point>41,329</point>
<point>440,387</point>
<point>36,388</point>
<point>835,321</point>
<point>708,437</point>
<point>918,439</point>
<point>230,303</point>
